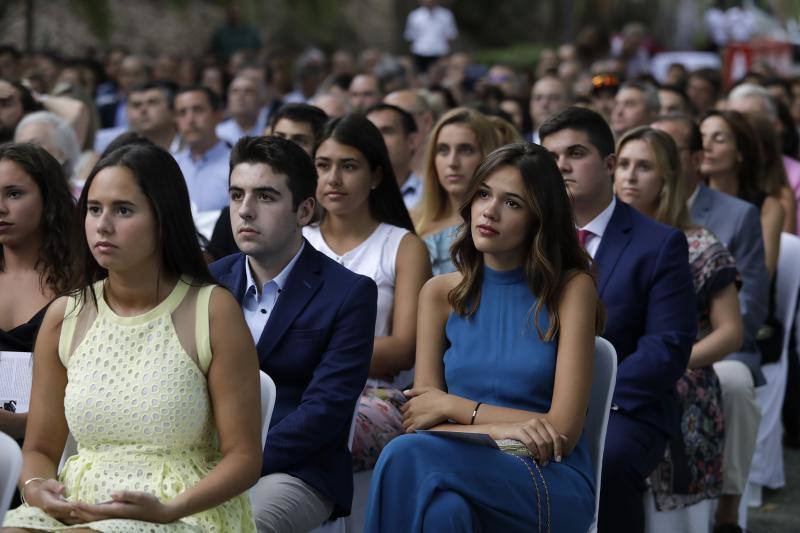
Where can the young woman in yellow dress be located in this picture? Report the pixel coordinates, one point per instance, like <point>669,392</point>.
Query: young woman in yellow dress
<point>149,366</point>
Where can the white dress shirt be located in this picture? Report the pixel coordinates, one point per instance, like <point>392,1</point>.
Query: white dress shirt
<point>597,226</point>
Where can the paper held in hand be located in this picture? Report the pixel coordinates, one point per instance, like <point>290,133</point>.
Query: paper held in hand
<point>511,446</point>
<point>16,371</point>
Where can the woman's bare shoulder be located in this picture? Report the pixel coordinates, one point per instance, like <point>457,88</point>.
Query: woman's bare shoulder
<point>437,289</point>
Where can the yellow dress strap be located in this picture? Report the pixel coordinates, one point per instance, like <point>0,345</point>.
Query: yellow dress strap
<point>71,313</point>
<point>202,328</point>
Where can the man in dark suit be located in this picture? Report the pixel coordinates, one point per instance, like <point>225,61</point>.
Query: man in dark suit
<point>313,324</point>
<point>644,281</point>
<point>738,225</point>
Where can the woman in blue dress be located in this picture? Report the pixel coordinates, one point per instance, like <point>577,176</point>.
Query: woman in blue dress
<point>505,347</point>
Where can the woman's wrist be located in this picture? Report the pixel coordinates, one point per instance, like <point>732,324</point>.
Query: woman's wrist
<point>174,511</point>
<point>29,487</point>
<point>458,409</point>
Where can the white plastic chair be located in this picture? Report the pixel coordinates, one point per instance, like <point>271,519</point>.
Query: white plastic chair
<point>766,470</point>
<point>267,405</point>
<point>695,518</point>
<point>10,466</point>
<point>603,382</point>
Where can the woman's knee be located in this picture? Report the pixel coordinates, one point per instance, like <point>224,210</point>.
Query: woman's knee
<point>448,511</point>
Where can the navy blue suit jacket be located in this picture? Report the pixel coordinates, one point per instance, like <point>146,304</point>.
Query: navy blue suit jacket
<point>317,347</point>
<point>645,283</point>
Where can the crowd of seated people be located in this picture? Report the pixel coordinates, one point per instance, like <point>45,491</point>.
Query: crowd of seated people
<point>398,265</point>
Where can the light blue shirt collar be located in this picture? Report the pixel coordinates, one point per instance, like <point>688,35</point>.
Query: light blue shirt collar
<point>279,280</point>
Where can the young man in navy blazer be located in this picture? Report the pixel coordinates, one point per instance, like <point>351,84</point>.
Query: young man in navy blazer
<point>313,324</point>
<point>644,281</point>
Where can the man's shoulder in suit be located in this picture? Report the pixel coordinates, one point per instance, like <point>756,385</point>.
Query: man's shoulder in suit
<point>338,276</point>
<point>647,231</point>
<point>728,209</point>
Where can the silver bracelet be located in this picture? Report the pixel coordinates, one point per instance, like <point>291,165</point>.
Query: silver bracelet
<point>24,485</point>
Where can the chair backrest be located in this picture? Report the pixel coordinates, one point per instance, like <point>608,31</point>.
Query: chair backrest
<point>787,283</point>
<point>10,466</point>
<point>605,377</point>
<point>267,405</point>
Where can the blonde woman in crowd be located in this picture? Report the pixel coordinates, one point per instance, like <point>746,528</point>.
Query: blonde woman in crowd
<point>648,177</point>
<point>457,144</point>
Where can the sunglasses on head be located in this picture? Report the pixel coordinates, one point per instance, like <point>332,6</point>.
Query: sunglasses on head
<point>604,80</point>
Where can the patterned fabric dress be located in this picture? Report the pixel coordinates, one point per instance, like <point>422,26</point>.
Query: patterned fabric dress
<point>137,404</point>
<point>692,468</point>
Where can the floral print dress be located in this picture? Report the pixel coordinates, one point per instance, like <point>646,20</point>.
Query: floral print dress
<point>691,470</point>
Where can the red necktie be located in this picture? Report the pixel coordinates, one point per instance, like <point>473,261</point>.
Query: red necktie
<point>583,234</point>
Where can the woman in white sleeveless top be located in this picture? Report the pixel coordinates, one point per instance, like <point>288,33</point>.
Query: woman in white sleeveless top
<point>366,228</point>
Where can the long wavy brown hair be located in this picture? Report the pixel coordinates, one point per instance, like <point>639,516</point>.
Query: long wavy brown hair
<point>553,256</point>
<point>56,251</point>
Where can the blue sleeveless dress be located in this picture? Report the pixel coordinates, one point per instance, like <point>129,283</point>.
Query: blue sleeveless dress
<point>430,483</point>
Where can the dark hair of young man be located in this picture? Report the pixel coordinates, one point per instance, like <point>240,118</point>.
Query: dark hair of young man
<point>309,114</point>
<point>167,87</point>
<point>282,156</point>
<point>406,118</point>
<point>213,98</point>
<point>585,120</point>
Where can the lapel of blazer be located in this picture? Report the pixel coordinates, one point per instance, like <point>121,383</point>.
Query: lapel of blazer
<point>701,209</point>
<point>234,278</point>
<point>615,239</point>
<point>301,285</point>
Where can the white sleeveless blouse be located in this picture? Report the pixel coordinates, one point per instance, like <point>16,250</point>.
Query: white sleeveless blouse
<point>376,258</point>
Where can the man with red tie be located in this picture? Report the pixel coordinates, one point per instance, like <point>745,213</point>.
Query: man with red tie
<point>644,281</point>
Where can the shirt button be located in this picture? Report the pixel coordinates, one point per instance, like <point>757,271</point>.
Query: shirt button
<point>263,311</point>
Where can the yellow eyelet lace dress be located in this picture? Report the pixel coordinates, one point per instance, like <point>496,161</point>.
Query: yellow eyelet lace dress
<point>137,404</point>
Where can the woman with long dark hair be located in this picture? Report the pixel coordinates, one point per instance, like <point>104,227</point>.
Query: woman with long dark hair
<point>36,211</point>
<point>133,363</point>
<point>505,348</point>
<point>366,227</point>
<point>732,163</point>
